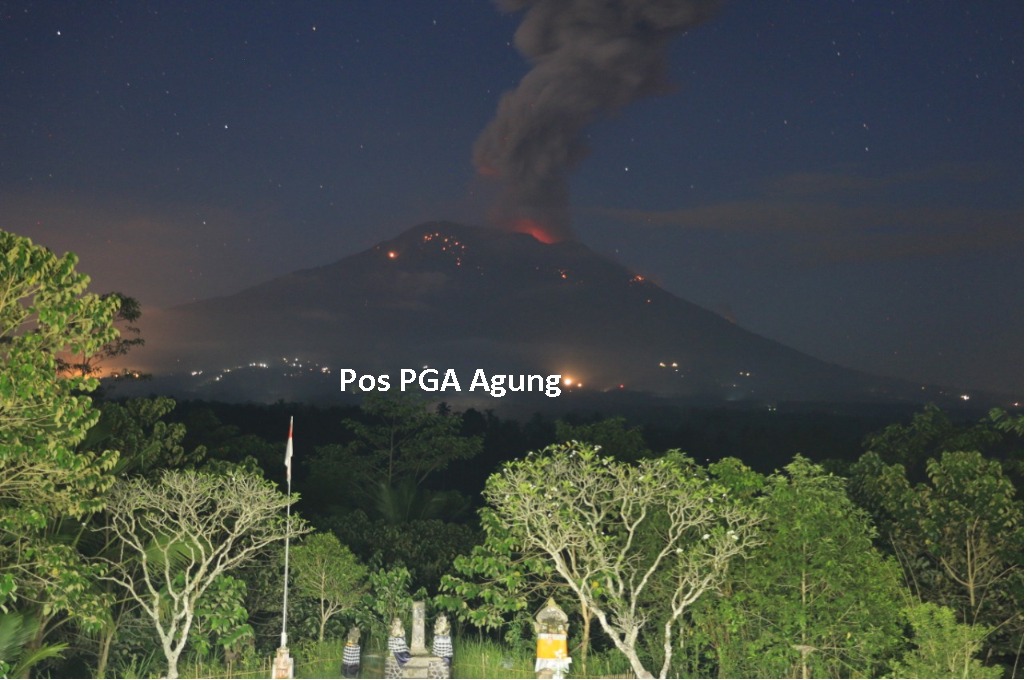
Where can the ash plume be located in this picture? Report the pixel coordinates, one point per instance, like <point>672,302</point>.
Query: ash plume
<point>588,57</point>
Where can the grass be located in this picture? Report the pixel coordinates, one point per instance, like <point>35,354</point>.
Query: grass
<point>473,658</point>
<point>476,658</point>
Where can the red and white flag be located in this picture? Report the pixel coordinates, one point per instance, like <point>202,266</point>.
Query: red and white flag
<point>288,454</point>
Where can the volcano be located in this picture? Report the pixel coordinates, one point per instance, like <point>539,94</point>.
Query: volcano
<point>446,295</point>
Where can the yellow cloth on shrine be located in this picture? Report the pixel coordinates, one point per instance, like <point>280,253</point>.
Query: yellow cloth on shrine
<point>551,646</point>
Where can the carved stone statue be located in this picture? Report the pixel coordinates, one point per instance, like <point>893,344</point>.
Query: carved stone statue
<point>442,625</point>
<point>398,642</point>
<point>351,654</point>
<point>442,643</point>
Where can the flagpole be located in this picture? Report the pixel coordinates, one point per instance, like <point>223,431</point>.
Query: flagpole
<point>282,667</point>
<point>288,519</point>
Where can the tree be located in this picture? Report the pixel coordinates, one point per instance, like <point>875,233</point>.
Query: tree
<point>181,533</point>
<point>221,617</point>
<point>612,435</point>
<point>45,312</point>
<point>497,579</point>
<point>616,531</point>
<point>389,597</point>
<point>959,537</point>
<point>943,648</point>
<point>403,439</point>
<point>146,441</point>
<point>815,599</point>
<point>147,444</point>
<point>327,571</point>
<point>127,313</point>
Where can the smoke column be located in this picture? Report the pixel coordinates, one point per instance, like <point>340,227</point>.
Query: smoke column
<point>588,57</point>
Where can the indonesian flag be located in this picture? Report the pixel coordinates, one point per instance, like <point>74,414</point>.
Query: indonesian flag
<point>288,454</point>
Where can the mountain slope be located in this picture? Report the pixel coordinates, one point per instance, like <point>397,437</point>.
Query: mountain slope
<point>452,296</point>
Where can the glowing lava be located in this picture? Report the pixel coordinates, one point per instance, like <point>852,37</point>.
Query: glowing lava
<point>526,225</point>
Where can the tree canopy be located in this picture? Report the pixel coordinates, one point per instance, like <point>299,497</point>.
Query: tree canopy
<point>45,313</point>
<point>616,532</point>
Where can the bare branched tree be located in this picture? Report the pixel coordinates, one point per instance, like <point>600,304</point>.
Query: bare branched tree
<point>328,572</point>
<point>180,533</point>
<point>635,542</point>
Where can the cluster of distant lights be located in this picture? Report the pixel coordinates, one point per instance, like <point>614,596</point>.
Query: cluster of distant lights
<point>292,368</point>
<point>962,397</point>
<point>295,367</point>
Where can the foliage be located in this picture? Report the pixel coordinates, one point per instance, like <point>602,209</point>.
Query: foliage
<point>139,430</point>
<point>16,659</point>
<point>220,617</point>
<point>45,311</point>
<point>815,599</point>
<point>48,482</point>
<point>615,531</point>
<point>401,439</point>
<point>958,533</point>
<point>184,531</point>
<point>128,337</point>
<point>929,433</point>
<point>427,545</point>
<point>943,648</point>
<point>327,571</point>
<point>496,581</point>
<point>612,435</point>
<point>388,597</point>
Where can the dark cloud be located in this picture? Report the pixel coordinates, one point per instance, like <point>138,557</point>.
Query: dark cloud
<point>814,216</point>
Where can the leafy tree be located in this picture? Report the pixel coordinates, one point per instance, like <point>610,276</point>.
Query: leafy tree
<point>45,312</point>
<point>389,597</point>
<point>958,535</point>
<point>615,531</point>
<point>127,313</point>
<point>496,580</point>
<point>815,599</point>
<point>221,617</point>
<point>997,436</point>
<point>327,571</point>
<point>399,438</point>
<point>181,533</point>
<point>612,435</point>
<point>147,442</point>
<point>943,648</point>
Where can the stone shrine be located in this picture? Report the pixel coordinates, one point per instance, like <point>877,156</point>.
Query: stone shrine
<point>416,662</point>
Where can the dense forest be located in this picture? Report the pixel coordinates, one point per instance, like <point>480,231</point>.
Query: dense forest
<point>144,537</point>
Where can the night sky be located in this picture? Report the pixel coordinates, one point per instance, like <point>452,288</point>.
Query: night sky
<point>843,177</point>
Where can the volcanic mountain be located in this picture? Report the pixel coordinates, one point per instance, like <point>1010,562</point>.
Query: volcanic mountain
<point>447,296</point>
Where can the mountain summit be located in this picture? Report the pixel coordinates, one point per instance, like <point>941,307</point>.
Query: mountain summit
<point>447,296</point>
